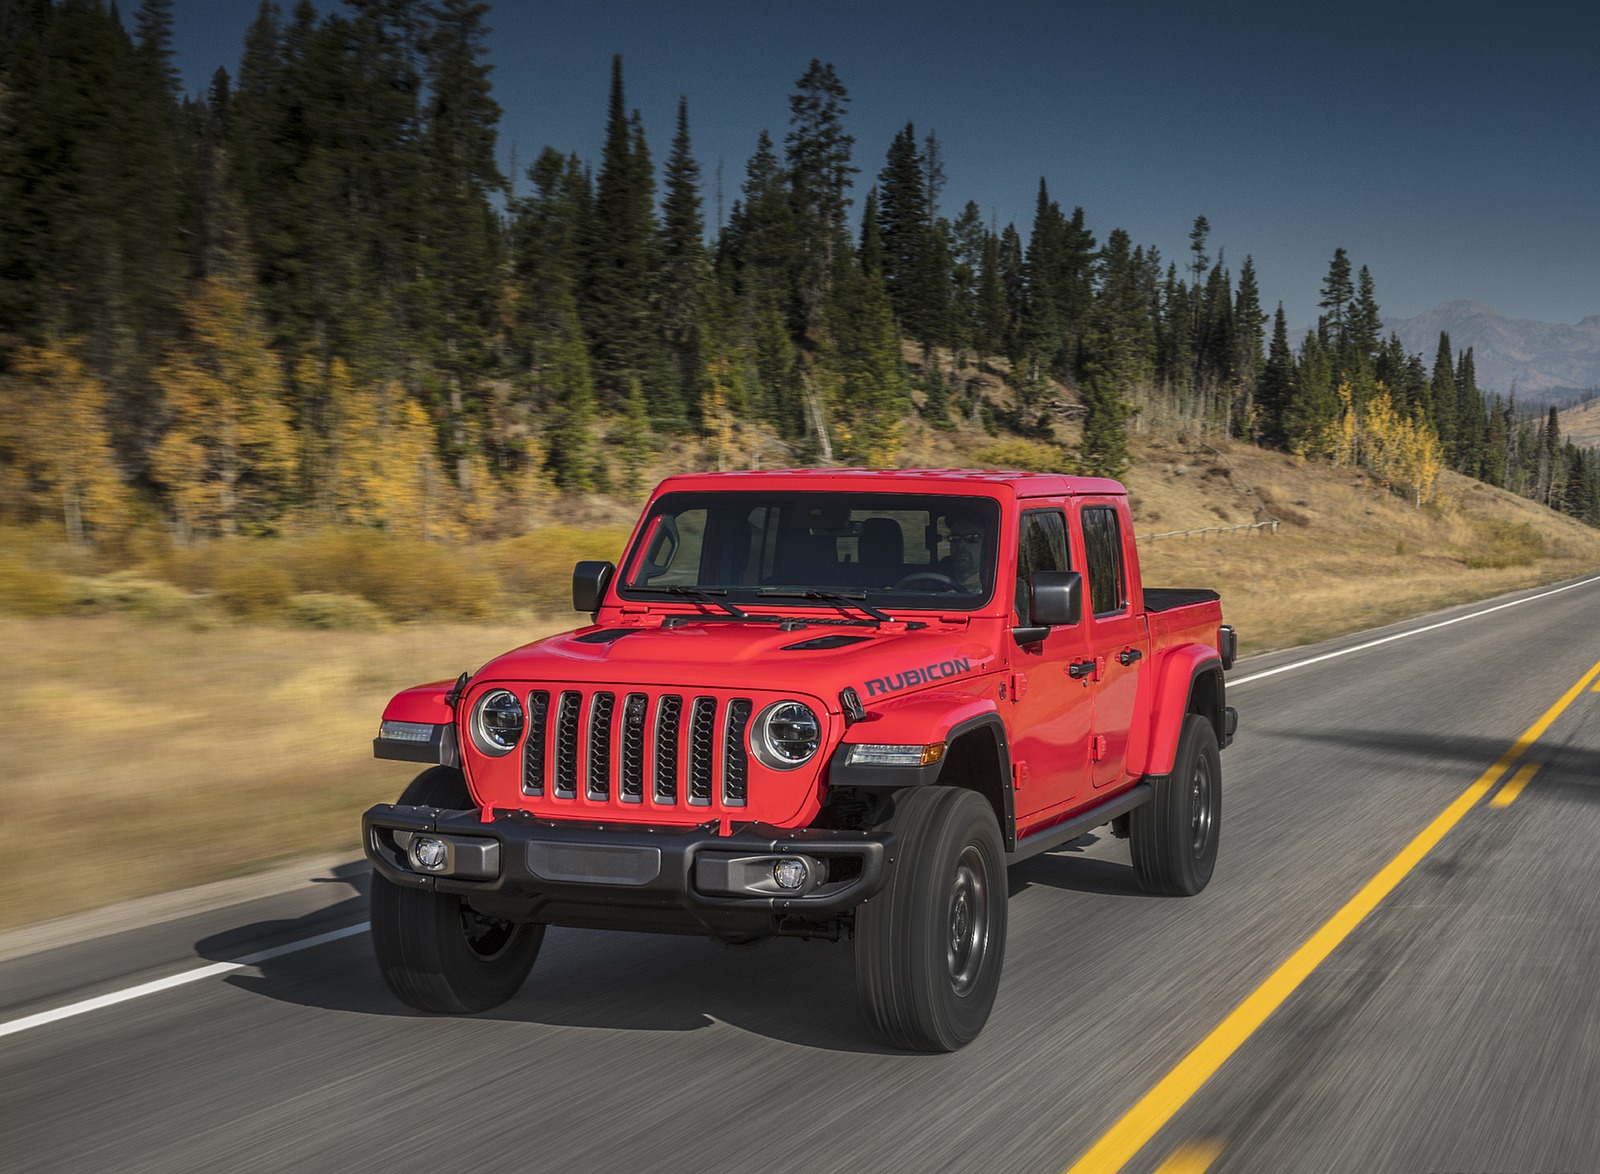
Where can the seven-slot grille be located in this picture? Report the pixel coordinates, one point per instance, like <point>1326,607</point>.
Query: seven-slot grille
<point>663,748</point>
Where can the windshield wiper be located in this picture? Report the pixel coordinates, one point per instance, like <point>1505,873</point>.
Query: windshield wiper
<point>699,595</point>
<point>856,600</point>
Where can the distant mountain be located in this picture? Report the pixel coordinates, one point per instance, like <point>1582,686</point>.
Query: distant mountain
<point>1546,361</point>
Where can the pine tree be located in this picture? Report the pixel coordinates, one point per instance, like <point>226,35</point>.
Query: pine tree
<point>1119,347</point>
<point>1365,320</point>
<point>1333,327</point>
<point>1248,322</point>
<point>903,223</point>
<point>1105,428</point>
<point>1495,445</point>
<point>1472,425</point>
<point>685,266</point>
<point>1313,404</point>
<point>1446,402</point>
<point>619,285</point>
<point>817,151</point>
<point>992,324</point>
<point>968,239</point>
<point>861,373</point>
<point>870,251</point>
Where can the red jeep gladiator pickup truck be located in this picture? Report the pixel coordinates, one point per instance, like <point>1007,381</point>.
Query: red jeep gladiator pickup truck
<point>821,703</point>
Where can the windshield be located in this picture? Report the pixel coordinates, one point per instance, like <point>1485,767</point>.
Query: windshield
<point>906,550</point>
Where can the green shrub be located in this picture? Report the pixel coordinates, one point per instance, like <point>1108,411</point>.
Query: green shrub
<point>1504,544</point>
<point>254,591</point>
<point>129,591</point>
<point>328,609</point>
<point>405,577</point>
<point>1016,453</point>
<point>27,590</point>
<point>535,570</point>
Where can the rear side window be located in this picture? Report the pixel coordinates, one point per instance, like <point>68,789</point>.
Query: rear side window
<point>1102,547</point>
<point>1041,546</point>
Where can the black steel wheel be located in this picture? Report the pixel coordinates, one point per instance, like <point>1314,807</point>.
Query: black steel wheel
<point>435,951</point>
<point>929,948</point>
<point>1174,836</point>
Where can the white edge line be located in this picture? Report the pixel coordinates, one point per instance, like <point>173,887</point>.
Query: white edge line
<point>1300,664</point>
<point>156,986</point>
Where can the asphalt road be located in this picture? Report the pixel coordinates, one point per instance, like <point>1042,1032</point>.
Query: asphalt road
<point>1454,1026</point>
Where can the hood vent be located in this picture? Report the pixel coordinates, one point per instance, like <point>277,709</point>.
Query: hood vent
<point>817,642</point>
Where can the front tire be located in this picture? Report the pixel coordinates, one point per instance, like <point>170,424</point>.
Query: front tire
<point>437,953</point>
<point>929,948</point>
<point>1173,837</point>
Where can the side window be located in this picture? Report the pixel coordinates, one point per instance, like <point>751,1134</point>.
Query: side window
<point>1102,546</point>
<point>1041,546</point>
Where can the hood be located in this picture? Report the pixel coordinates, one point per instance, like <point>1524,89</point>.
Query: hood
<point>819,659</point>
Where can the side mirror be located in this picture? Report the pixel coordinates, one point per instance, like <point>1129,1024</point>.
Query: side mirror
<point>1055,600</point>
<point>590,578</point>
<point>1057,597</point>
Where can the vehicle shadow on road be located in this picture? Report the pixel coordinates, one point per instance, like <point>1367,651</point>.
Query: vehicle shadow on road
<point>784,989</point>
<point>1069,869</point>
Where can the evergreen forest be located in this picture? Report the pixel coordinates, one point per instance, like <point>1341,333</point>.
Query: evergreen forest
<point>310,296</point>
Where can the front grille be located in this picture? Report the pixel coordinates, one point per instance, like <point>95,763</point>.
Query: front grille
<point>656,748</point>
<point>701,750</point>
<point>566,748</point>
<point>533,748</point>
<point>600,708</point>
<point>631,787</point>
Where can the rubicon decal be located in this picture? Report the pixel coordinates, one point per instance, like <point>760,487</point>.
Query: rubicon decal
<point>919,676</point>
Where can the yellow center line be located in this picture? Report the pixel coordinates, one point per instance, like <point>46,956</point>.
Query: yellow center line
<point>1504,796</point>
<point>1194,1157</point>
<point>1124,1139</point>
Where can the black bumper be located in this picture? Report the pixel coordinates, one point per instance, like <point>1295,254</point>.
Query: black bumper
<point>615,877</point>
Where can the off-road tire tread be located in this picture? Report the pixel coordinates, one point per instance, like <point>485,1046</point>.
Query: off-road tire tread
<point>416,934</point>
<point>906,998</point>
<point>1159,830</point>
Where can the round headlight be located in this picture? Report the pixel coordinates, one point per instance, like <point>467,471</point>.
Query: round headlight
<point>497,722</point>
<point>786,735</point>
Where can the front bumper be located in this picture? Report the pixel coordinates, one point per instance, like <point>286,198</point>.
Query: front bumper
<point>619,877</point>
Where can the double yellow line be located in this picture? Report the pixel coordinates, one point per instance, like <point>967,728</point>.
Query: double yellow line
<point>1172,1092</point>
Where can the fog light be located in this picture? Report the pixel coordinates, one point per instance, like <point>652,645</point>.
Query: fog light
<point>428,854</point>
<point>790,874</point>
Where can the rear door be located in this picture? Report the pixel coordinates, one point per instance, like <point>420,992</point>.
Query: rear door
<point>1050,711</point>
<point>1118,637</point>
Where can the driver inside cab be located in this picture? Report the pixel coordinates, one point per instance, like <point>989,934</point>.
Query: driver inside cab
<point>966,532</point>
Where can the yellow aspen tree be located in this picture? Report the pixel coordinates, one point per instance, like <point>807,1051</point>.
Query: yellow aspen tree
<point>228,454</point>
<point>56,443</point>
<point>1343,439</point>
<point>719,421</point>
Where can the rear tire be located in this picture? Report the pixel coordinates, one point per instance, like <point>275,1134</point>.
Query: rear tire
<point>435,951</point>
<point>929,948</point>
<point>1173,837</point>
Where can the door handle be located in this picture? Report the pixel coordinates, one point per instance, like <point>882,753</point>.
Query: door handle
<point>1092,669</point>
<point>1129,656</point>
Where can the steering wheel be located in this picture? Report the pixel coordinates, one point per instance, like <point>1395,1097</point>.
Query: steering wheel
<point>938,579</point>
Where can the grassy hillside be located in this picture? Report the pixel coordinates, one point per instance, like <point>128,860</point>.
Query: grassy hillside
<point>199,713</point>
<point>1581,424</point>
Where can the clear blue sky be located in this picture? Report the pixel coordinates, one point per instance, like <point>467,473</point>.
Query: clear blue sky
<point>1452,148</point>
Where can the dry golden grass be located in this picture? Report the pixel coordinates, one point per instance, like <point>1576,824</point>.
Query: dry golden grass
<point>1348,555</point>
<point>1581,424</point>
<point>146,756</point>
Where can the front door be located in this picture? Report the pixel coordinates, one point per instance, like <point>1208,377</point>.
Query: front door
<point>1051,712</point>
